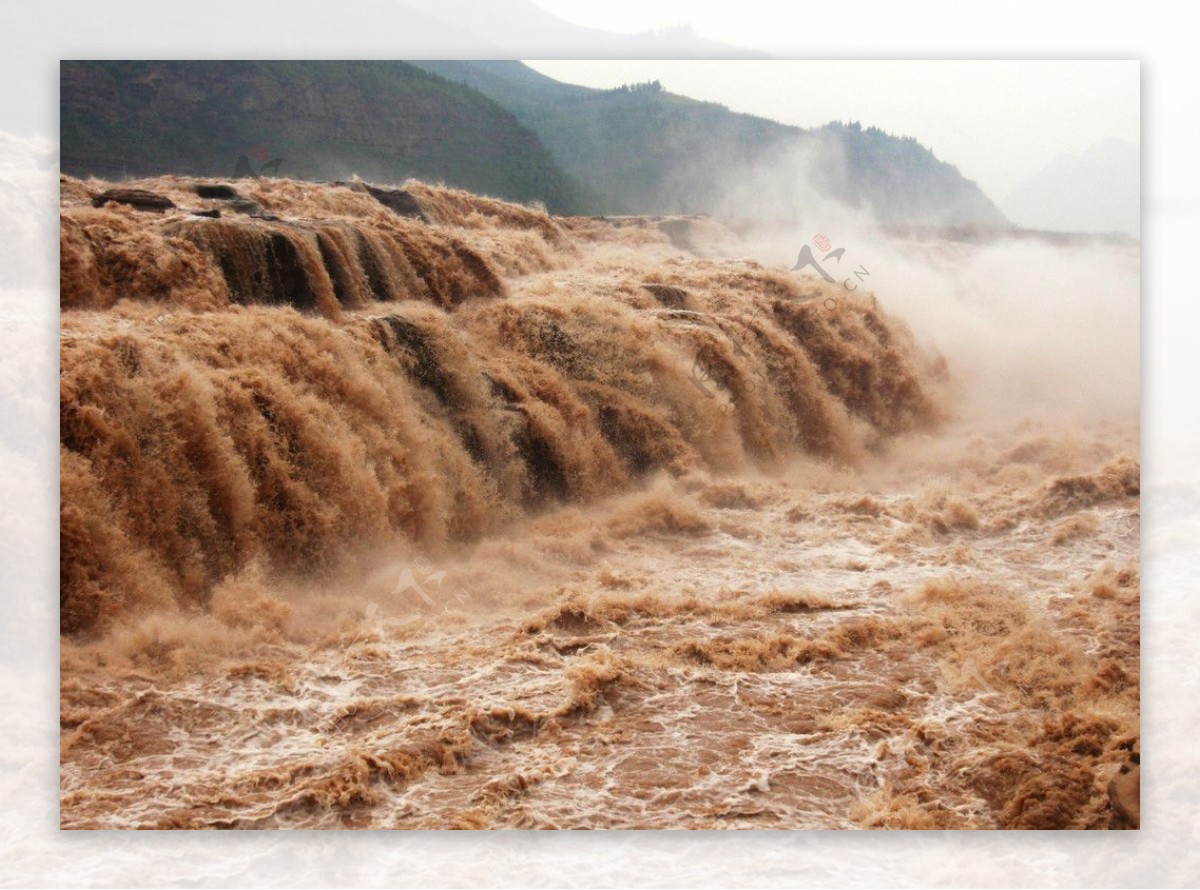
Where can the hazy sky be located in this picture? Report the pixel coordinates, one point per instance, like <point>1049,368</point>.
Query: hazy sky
<point>997,121</point>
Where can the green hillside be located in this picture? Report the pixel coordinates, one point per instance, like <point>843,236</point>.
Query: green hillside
<point>384,121</point>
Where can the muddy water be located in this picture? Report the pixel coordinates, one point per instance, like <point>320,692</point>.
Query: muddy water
<point>818,650</point>
<point>807,593</point>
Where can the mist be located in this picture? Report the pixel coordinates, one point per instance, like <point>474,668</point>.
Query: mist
<point>1031,324</point>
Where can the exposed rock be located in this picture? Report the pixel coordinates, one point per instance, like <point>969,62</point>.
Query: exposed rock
<point>671,297</point>
<point>262,264</point>
<point>219,191</point>
<point>138,199</point>
<point>1125,794</point>
<point>399,201</point>
<point>246,206</point>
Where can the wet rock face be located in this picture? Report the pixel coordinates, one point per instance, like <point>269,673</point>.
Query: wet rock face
<point>671,297</point>
<point>217,191</point>
<point>399,201</point>
<point>1125,794</point>
<point>138,199</point>
<point>235,201</point>
<point>262,264</point>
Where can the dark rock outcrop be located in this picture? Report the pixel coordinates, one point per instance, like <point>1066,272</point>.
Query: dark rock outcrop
<point>138,199</point>
<point>671,297</point>
<point>218,191</point>
<point>398,201</point>
<point>1125,794</point>
<point>262,264</point>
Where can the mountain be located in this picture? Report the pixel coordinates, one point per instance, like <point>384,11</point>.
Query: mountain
<point>522,29</point>
<point>646,150</point>
<point>384,121</point>
<point>498,128</point>
<point>284,29</point>
<point>1096,191</point>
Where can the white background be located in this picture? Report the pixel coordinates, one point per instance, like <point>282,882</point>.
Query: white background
<point>33,852</point>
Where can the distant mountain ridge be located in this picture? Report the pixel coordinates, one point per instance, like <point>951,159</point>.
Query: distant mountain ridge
<point>645,150</point>
<point>1098,190</point>
<point>497,128</point>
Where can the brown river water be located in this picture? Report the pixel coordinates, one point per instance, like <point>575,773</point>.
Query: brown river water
<point>498,520</point>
